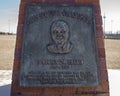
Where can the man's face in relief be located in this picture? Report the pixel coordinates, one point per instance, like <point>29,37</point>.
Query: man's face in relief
<point>59,32</point>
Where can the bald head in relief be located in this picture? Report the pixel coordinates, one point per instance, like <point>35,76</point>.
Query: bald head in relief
<point>60,34</point>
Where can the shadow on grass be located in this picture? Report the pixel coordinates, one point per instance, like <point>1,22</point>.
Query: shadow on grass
<point>5,90</point>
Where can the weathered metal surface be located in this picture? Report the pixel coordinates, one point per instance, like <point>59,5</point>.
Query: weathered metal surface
<point>59,47</point>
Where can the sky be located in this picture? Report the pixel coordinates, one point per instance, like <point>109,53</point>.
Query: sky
<point>9,15</point>
<point>111,9</point>
<point>9,10</point>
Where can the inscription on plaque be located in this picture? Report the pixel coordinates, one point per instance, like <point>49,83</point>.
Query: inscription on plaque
<point>59,47</point>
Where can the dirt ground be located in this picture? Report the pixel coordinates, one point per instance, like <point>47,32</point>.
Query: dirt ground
<point>7,45</point>
<point>112,53</point>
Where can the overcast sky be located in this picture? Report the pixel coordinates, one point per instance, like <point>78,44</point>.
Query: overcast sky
<point>111,8</point>
<point>9,14</point>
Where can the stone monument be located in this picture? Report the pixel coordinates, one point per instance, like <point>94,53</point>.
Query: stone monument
<point>60,49</point>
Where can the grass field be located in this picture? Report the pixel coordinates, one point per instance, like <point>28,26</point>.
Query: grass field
<point>7,45</point>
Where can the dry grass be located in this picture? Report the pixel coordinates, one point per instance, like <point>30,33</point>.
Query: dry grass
<point>7,45</point>
<point>112,53</point>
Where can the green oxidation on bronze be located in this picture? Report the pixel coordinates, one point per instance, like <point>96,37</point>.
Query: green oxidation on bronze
<point>59,47</point>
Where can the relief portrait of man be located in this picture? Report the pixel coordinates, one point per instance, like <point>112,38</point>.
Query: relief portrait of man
<point>60,34</point>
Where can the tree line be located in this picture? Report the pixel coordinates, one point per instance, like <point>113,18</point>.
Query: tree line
<point>6,33</point>
<point>111,35</point>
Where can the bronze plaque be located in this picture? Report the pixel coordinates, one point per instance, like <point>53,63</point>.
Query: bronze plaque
<point>59,47</point>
